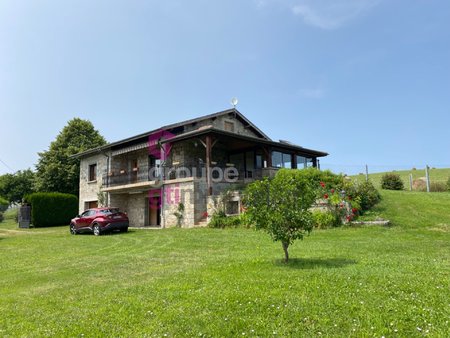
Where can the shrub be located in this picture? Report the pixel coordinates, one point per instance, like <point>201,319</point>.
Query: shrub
<point>3,204</point>
<point>364,196</point>
<point>220,220</point>
<point>1,217</point>
<point>438,187</point>
<point>53,208</point>
<point>325,219</point>
<point>391,182</point>
<point>448,184</point>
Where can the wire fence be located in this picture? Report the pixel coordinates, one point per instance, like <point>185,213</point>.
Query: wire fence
<point>424,177</point>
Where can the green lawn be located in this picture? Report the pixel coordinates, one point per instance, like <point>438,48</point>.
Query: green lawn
<point>436,175</point>
<point>361,282</point>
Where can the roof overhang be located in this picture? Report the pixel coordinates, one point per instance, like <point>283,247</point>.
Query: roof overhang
<point>254,140</point>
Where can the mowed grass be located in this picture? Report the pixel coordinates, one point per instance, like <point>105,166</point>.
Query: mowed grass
<point>345,282</point>
<point>436,175</point>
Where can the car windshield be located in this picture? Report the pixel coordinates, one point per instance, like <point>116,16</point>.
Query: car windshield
<point>110,211</point>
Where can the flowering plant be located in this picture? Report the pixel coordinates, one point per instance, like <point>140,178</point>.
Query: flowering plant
<point>338,203</point>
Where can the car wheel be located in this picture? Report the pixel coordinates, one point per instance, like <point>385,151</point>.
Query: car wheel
<point>96,230</point>
<point>73,231</point>
<point>124,229</point>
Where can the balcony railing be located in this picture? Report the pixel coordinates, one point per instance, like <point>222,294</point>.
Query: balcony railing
<point>156,173</point>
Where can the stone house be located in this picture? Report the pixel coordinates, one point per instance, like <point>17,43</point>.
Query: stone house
<point>186,164</point>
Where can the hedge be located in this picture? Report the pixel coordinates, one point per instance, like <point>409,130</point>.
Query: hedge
<point>3,204</point>
<point>52,208</point>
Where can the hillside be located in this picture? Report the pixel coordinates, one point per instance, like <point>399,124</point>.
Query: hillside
<point>413,209</point>
<point>436,175</point>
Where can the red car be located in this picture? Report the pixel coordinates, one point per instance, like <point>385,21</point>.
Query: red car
<point>99,220</point>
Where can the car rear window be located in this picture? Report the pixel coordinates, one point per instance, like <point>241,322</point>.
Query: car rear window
<point>110,211</point>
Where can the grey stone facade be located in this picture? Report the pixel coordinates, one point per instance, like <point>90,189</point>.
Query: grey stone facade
<point>123,171</point>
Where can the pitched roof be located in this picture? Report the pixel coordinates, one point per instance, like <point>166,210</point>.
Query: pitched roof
<point>138,138</point>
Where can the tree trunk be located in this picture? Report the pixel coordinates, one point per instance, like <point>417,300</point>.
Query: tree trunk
<point>286,253</point>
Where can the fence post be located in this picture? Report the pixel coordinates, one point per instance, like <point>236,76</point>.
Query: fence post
<point>410,182</point>
<point>428,178</point>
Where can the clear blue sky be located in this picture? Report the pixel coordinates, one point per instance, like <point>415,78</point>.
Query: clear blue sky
<point>366,80</point>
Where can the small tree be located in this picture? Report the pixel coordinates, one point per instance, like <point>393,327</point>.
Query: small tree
<point>391,182</point>
<point>102,199</point>
<point>15,186</point>
<point>281,206</point>
<point>179,214</point>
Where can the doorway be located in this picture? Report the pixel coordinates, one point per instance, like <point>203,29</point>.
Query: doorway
<point>153,211</point>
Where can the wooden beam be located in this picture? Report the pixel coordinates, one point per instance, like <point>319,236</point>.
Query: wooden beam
<point>208,164</point>
<point>268,156</point>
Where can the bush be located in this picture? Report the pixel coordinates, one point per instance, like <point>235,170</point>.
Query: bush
<point>448,184</point>
<point>364,194</point>
<point>53,208</point>
<point>391,182</point>
<point>1,217</point>
<point>438,187</point>
<point>3,204</point>
<point>325,219</point>
<point>220,220</point>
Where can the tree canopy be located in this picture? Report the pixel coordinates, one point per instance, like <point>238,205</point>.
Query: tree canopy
<point>15,186</point>
<point>57,171</point>
<point>281,205</point>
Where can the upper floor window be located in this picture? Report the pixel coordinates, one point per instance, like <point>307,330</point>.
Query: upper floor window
<point>93,172</point>
<point>228,126</point>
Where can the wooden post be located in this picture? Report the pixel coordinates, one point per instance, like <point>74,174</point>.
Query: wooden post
<point>410,182</point>
<point>208,164</point>
<point>367,173</point>
<point>428,178</point>
<point>268,157</point>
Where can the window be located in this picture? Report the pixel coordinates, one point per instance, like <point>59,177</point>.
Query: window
<point>259,161</point>
<point>228,126</point>
<point>277,159</point>
<point>281,160</point>
<point>301,162</point>
<point>92,172</point>
<point>232,208</point>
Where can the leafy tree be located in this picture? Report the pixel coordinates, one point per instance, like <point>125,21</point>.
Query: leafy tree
<point>280,206</point>
<point>15,186</point>
<point>3,204</point>
<point>57,171</point>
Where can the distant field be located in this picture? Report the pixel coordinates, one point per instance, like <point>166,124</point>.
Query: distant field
<point>436,175</point>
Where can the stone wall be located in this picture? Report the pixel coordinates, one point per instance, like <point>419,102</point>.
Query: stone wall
<point>89,190</point>
<point>136,209</point>
<point>119,201</point>
<point>175,193</point>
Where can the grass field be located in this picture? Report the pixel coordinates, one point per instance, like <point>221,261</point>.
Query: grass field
<point>436,175</point>
<point>345,282</point>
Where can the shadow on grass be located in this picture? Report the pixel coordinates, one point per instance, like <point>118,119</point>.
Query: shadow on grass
<point>106,233</point>
<point>315,263</point>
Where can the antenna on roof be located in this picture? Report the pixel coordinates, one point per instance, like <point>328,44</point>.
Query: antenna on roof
<point>234,102</point>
